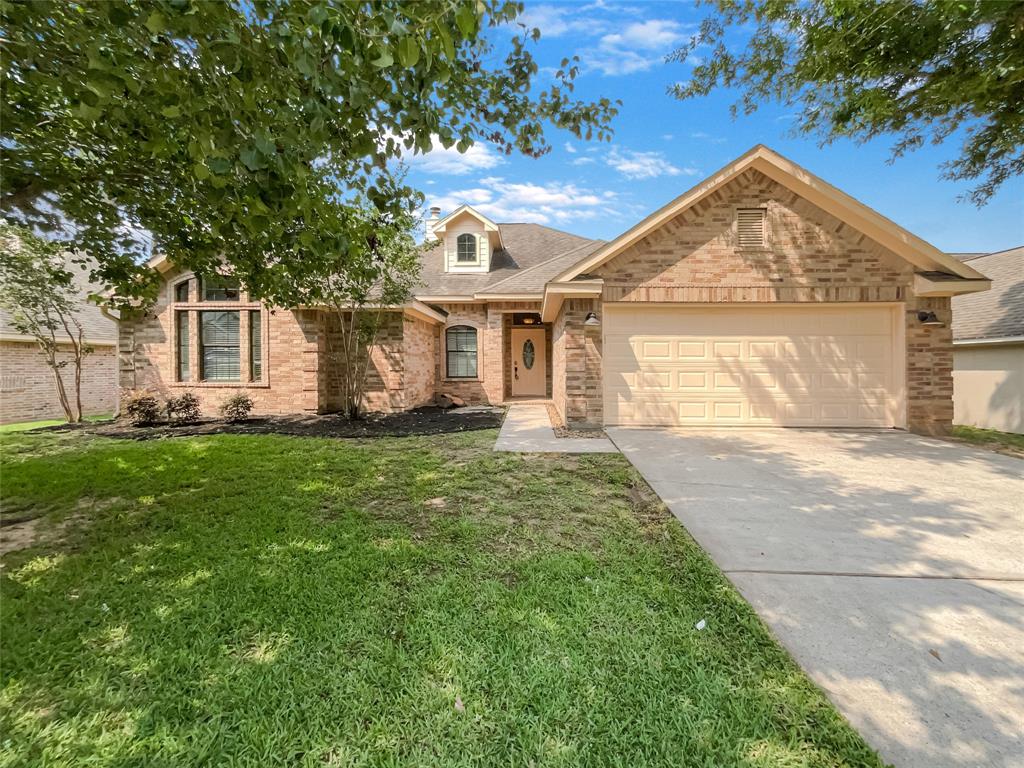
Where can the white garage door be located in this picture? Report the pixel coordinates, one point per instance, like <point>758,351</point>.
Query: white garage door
<point>752,365</point>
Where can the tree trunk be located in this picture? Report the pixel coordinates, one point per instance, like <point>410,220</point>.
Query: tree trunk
<point>51,360</point>
<point>76,347</point>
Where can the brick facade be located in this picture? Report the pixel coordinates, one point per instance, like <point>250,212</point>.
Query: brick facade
<point>27,391</point>
<point>577,392</point>
<point>493,321</point>
<point>809,256</point>
<point>299,363</point>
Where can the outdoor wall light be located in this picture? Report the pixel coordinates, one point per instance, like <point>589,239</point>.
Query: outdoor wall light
<point>929,318</point>
<point>592,319</point>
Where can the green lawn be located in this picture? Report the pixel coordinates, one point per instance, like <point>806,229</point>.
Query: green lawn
<point>990,438</point>
<point>263,600</point>
<point>24,426</point>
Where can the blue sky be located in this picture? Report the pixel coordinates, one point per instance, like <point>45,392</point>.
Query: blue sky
<point>663,146</point>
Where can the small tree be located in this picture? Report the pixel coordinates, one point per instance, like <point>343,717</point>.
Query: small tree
<point>40,294</point>
<point>375,275</point>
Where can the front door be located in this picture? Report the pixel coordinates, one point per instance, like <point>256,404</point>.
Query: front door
<point>529,366</point>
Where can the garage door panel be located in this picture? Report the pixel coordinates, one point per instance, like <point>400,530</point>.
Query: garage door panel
<point>777,366</point>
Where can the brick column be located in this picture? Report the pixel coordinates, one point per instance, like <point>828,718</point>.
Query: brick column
<point>582,359</point>
<point>929,367</point>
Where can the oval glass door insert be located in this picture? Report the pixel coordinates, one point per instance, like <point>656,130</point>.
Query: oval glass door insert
<point>528,354</point>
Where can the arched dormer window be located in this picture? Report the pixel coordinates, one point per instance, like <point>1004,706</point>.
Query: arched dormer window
<point>460,352</point>
<point>466,250</point>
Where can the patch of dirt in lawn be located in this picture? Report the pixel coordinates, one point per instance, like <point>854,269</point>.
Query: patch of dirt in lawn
<point>561,430</point>
<point>27,531</point>
<point>422,421</point>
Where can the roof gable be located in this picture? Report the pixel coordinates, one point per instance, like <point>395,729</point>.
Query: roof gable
<point>908,246</point>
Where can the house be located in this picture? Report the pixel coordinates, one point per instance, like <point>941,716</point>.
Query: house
<point>27,390</point>
<point>763,296</point>
<point>988,345</point>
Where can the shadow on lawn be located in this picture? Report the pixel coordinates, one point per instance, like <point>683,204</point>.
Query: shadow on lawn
<point>266,601</point>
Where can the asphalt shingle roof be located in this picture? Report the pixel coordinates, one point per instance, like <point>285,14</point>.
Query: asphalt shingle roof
<point>527,246</point>
<point>998,312</point>
<point>97,327</point>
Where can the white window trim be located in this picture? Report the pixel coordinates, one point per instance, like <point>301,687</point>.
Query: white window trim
<point>476,251</point>
<point>479,352</point>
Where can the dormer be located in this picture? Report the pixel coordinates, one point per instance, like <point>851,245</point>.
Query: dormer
<point>469,238</point>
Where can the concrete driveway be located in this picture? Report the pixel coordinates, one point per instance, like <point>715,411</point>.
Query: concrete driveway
<point>890,565</point>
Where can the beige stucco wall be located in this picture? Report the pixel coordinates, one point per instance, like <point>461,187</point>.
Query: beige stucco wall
<point>988,387</point>
<point>27,391</point>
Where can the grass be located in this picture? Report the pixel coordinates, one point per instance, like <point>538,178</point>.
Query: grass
<point>990,438</point>
<point>264,600</point>
<point>24,426</point>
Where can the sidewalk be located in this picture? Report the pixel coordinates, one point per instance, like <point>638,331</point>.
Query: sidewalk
<point>527,429</point>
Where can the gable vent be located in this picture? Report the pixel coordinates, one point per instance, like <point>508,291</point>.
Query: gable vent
<point>750,227</point>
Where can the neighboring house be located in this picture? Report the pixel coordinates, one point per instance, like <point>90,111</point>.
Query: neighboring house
<point>988,345</point>
<point>27,390</point>
<point>761,297</point>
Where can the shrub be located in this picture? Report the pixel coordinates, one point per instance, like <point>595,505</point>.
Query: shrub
<point>237,407</point>
<point>142,408</point>
<point>183,409</point>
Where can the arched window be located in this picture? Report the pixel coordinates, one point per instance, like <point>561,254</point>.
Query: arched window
<point>460,352</point>
<point>466,252</point>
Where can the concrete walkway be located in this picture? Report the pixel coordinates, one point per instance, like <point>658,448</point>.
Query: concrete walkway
<point>527,429</point>
<point>891,566</point>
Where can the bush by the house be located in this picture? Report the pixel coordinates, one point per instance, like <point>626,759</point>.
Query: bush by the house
<point>237,407</point>
<point>141,408</point>
<point>183,409</point>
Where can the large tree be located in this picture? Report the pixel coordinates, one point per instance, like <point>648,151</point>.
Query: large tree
<point>244,130</point>
<point>921,70</point>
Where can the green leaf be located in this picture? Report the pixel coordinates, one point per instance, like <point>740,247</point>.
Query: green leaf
<point>466,20</point>
<point>200,171</point>
<point>92,114</point>
<point>156,23</point>
<point>446,40</point>
<point>385,59</point>
<point>252,159</point>
<point>408,51</point>
<point>172,111</point>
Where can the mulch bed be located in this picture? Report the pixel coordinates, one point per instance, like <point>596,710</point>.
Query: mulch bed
<point>422,421</point>
<point>561,430</point>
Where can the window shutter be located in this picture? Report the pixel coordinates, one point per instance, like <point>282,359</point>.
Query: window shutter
<point>750,227</point>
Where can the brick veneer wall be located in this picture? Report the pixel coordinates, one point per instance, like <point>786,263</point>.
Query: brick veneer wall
<point>809,256</point>
<point>492,384</point>
<point>291,368</point>
<point>420,364</point>
<point>929,366</point>
<point>27,391</point>
<point>577,363</point>
<point>299,371</point>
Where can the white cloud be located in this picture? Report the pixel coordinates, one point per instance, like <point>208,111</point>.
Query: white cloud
<point>559,20</point>
<point>583,161</point>
<point>614,63</point>
<point>644,165</point>
<point>553,203</point>
<point>451,162</point>
<point>650,35</point>
<point>637,47</point>
<point>570,148</point>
